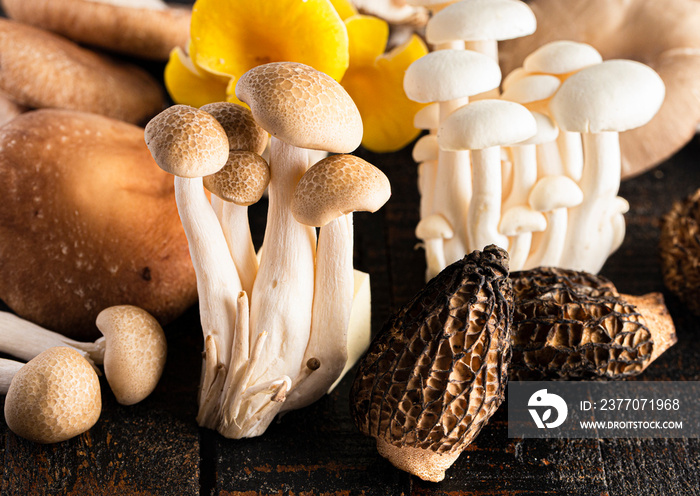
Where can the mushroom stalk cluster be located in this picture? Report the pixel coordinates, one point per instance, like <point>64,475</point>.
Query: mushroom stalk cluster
<point>534,167</point>
<point>280,332</point>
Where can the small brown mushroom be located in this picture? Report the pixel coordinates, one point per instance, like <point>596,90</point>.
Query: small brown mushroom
<point>39,69</point>
<point>575,325</point>
<point>147,29</point>
<point>436,372</point>
<point>680,250</point>
<point>54,397</point>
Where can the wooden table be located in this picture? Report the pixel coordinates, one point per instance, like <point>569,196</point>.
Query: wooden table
<point>156,447</point>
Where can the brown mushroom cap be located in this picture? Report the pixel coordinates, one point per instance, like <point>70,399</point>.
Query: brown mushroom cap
<point>187,142</point>
<point>142,32</point>
<point>242,180</point>
<point>135,351</point>
<point>661,34</point>
<point>54,397</point>
<point>241,129</point>
<point>301,106</point>
<point>39,69</point>
<point>87,221</point>
<point>339,185</point>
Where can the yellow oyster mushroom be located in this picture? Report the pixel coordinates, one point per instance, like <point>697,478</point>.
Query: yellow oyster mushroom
<point>187,84</point>
<point>374,80</point>
<point>233,36</point>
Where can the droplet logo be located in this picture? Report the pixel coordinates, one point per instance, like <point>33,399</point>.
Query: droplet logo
<point>547,403</point>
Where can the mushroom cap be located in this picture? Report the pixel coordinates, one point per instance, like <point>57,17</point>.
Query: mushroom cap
<point>54,397</point>
<point>339,185</point>
<point>476,20</point>
<point>242,180</point>
<point>615,95</point>
<point>434,226</point>
<point>513,76</point>
<point>426,149</point>
<point>301,106</point>
<point>242,131</point>
<point>187,142</point>
<point>135,351</point>
<point>428,117</point>
<point>486,123</point>
<point>552,192</point>
<point>444,75</point>
<point>561,57</point>
<point>521,219</point>
<point>547,130</point>
<point>531,88</point>
<point>142,29</point>
<point>87,220</point>
<point>40,69</point>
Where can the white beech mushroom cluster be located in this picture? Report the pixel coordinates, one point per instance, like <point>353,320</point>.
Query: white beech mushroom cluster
<point>534,169</point>
<point>278,332</point>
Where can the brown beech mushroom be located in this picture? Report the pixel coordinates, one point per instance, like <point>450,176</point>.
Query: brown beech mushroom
<point>680,250</point>
<point>148,29</point>
<point>39,69</point>
<point>437,371</point>
<point>661,34</point>
<point>133,348</point>
<point>575,325</point>
<point>87,221</point>
<point>54,397</point>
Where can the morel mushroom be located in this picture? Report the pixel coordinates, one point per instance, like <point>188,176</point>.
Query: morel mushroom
<point>680,251</point>
<point>437,372</point>
<point>575,325</point>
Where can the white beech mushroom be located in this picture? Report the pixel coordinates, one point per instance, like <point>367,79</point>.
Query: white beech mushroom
<point>518,223</point>
<point>600,101</point>
<point>450,77</point>
<point>143,28</point>
<point>427,118</point>
<point>325,197</point>
<point>433,230</point>
<point>191,144</point>
<point>53,397</point>
<point>240,183</point>
<point>302,109</point>
<point>552,195</point>
<point>482,127</point>
<point>133,348</point>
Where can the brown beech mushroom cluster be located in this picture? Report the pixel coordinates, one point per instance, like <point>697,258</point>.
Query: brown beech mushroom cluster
<point>87,221</point>
<point>575,325</point>
<point>679,246</point>
<point>661,34</point>
<point>279,332</point>
<point>437,371</point>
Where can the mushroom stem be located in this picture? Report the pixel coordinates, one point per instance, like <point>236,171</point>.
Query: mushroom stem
<point>571,153</point>
<point>588,238</point>
<point>427,172</point>
<point>333,297</point>
<point>8,369</point>
<point>551,245</point>
<point>524,175</point>
<point>485,207</point>
<point>434,257</point>
<point>549,162</point>
<point>25,340</point>
<point>234,221</point>
<point>427,464</point>
<point>519,250</point>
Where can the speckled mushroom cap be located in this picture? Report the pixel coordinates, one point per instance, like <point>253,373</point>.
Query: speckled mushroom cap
<point>242,131</point>
<point>135,351</point>
<point>339,185</point>
<point>242,180</point>
<point>561,57</point>
<point>475,20</point>
<point>54,397</point>
<point>486,123</point>
<point>39,69</point>
<point>444,75</point>
<point>301,106</point>
<point>615,95</point>
<point>143,29</point>
<point>87,220</point>
<point>187,142</point>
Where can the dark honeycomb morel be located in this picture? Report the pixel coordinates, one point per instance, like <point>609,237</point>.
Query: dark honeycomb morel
<point>679,246</point>
<point>437,371</point>
<point>574,325</point>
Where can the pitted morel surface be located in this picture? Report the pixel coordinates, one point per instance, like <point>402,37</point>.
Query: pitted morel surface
<point>437,371</point>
